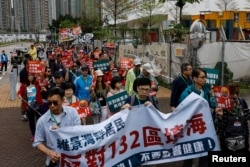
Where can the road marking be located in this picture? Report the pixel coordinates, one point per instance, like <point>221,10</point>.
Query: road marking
<point>1,77</point>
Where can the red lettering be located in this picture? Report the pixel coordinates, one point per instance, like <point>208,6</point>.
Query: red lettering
<point>66,160</point>
<point>174,133</point>
<point>151,137</point>
<point>124,145</point>
<point>135,142</point>
<point>196,124</point>
<point>113,148</point>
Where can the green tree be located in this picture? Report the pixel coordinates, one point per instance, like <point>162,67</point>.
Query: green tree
<point>228,74</point>
<point>146,13</point>
<point>114,9</point>
<point>90,24</point>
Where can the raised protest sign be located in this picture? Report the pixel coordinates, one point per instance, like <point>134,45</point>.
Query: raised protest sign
<point>67,61</point>
<point>222,95</point>
<point>126,62</point>
<point>102,65</point>
<point>116,101</point>
<point>82,108</point>
<point>142,135</point>
<point>36,66</point>
<point>212,76</point>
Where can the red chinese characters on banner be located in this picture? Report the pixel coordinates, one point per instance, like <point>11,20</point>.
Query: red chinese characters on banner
<point>36,66</point>
<point>196,124</point>
<point>173,134</point>
<point>65,160</point>
<point>82,108</point>
<point>126,63</point>
<point>222,95</point>
<point>95,157</point>
<point>151,136</point>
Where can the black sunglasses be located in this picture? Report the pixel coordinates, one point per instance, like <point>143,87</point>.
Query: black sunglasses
<point>54,102</point>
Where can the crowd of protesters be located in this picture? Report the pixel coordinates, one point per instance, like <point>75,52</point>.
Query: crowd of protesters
<point>68,76</point>
<point>72,70</point>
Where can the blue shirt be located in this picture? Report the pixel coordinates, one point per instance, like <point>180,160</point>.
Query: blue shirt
<point>4,58</point>
<point>43,133</point>
<point>83,87</point>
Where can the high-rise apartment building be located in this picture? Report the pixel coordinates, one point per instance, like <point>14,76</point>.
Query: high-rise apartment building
<point>35,15</point>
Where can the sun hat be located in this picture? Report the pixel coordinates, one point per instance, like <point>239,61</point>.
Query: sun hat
<point>148,68</point>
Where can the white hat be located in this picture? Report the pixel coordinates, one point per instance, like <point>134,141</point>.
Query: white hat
<point>137,62</point>
<point>99,72</point>
<point>148,68</point>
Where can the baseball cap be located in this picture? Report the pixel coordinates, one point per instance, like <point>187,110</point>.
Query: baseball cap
<point>148,68</point>
<point>58,74</point>
<point>137,62</point>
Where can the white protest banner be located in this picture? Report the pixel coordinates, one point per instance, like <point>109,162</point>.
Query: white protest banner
<point>142,135</point>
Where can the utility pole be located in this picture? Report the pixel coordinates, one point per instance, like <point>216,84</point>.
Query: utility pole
<point>12,19</point>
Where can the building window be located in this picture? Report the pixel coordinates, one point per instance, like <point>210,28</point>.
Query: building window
<point>236,17</point>
<point>248,17</point>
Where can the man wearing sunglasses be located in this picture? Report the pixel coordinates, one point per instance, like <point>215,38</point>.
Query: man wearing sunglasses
<point>56,117</point>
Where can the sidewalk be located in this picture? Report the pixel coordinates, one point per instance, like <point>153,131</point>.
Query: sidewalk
<point>5,101</point>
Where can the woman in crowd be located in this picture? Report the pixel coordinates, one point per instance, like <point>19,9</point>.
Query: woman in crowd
<point>30,94</point>
<point>233,123</point>
<point>116,87</point>
<point>100,92</point>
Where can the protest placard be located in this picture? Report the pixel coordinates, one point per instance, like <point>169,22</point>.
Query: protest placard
<point>36,66</point>
<point>222,95</point>
<point>116,101</point>
<point>102,65</point>
<point>126,62</point>
<point>82,108</point>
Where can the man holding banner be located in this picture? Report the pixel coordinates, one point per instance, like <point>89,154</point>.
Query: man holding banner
<point>57,116</point>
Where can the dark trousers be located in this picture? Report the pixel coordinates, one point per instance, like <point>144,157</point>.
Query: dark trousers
<point>33,116</point>
<point>5,65</point>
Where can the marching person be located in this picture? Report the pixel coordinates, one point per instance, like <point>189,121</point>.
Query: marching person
<point>83,84</point>
<point>232,124</point>
<point>180,83</point>
<point>100,93</point>
<point>132,74</point>
<point>57,116</point>
<point>31,96</point>
<point>199,87</point>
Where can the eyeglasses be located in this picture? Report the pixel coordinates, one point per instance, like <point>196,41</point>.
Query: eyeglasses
<point>84,69</point>
<point>144,89</point>
<point>48,71</point>
<point>54,102</point>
